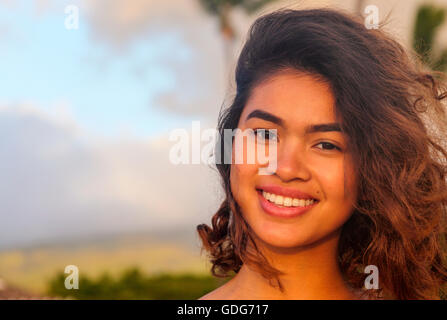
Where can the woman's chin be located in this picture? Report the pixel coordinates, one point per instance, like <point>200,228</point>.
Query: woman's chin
<point>282,241</point>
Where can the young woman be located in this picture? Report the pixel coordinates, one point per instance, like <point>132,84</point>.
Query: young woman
<point>361,167</point>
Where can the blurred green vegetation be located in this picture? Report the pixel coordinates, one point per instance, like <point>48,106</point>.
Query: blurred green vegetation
<point>429,19</point>
<point>132,284</point>
<point>250,6</point>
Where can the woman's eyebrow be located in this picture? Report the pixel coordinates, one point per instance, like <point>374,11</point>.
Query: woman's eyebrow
<point>265,116</point>
<point>323,127</point>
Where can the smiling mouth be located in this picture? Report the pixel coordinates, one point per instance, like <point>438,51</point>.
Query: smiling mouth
<point>283,206</point>
<point>283,201</point>
<point>285,197</point>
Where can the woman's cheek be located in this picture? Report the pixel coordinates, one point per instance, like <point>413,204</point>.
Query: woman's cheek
<point>242,185</point>
<point>338,181</point>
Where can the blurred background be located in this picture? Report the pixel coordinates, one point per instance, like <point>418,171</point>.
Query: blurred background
<point>86,108</point>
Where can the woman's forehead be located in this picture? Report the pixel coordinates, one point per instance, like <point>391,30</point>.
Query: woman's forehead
<point>294,97</point>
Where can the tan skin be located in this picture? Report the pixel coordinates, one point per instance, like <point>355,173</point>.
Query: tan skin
<point>318,163</point>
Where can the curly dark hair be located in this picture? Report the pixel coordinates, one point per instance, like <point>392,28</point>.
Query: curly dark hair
<point>391,107</point>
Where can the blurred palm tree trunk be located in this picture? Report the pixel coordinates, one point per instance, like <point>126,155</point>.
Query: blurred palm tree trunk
<point>222,9</point>
<point>359,6</point>
<point>228,34</point>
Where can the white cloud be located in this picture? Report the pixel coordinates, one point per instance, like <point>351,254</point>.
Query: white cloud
<point>119,22</point>
<point>200,78</point>
<point>55,183</point>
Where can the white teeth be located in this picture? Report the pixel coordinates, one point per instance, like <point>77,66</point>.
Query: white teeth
<point>264,194</point>
<point>279,200</point>
<point>287,201</point>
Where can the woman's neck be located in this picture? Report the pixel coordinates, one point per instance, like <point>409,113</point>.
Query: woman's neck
<point>310,272</point>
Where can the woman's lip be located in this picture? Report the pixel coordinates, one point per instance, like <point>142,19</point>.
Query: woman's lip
<point>285,192</point>
<point>283,212</point>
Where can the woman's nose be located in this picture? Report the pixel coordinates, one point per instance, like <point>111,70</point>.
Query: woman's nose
<point>291,162</point>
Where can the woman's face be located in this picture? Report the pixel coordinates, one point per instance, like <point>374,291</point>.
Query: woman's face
<point>312,163</point>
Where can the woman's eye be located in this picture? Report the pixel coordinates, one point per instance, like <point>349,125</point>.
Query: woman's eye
<point>263,135</point>
<point>328,146</point>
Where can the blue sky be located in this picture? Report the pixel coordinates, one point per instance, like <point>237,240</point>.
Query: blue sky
<point>107,91</point>
<point>130,73</point>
